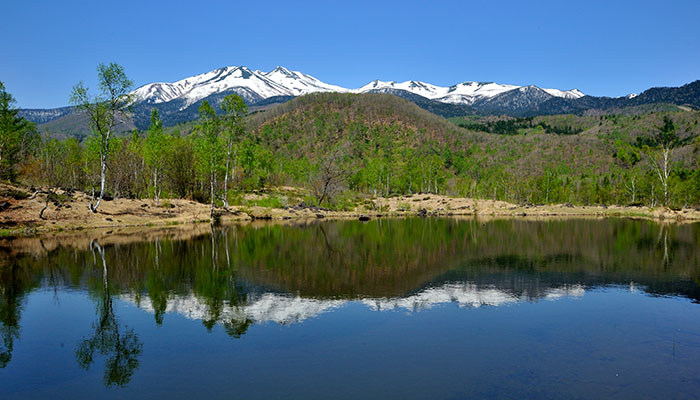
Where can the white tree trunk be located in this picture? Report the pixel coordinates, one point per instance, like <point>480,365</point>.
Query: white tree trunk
<point>228,162</point>
<point>211,193</point>
<point>103,160</point>
<point>155,186</point>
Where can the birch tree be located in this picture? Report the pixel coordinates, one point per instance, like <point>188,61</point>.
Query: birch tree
<point>234,126</point>
<point>208,147</point>
<point>103,110</point>
<point>155,153</point>
<point>631,184</point>
<point>660,155</point>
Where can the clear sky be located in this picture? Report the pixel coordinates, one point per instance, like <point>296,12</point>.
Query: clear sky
<point>600,47</point>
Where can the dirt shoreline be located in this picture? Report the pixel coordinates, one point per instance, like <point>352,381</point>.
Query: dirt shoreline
<point>21,216</point>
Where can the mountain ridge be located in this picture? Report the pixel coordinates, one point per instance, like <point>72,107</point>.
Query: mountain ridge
<point>283,82</point>
<point>178,101</point>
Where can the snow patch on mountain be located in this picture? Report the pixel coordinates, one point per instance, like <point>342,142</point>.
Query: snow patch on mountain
<point>299,83</point>
<point>257,85</point>
<point>195,88</point>
<point>462,93</point>
<point>567,94</point>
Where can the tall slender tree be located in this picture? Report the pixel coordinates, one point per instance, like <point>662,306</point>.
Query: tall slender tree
<point>103,111</point>
<point>208,147</point>
<point>660,156</point>
<point>235,111</point>
<point>155,152</point>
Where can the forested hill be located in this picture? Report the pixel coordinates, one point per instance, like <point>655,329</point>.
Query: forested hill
<point>342,147</point>
<point>390,145</point>
<point>331,118</point>
<point>687,95</point>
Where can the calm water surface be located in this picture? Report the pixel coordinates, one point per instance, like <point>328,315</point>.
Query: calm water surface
<point>389,309</point>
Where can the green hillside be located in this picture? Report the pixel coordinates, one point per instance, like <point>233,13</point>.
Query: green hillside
<point>396,147</point>
<point>356,145</point>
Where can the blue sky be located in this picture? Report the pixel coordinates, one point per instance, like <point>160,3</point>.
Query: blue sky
<point>600,47</point>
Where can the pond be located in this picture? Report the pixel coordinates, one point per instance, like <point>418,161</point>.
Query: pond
<point>387,309</point>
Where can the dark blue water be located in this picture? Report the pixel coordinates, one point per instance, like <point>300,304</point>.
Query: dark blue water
<point>405,309</point>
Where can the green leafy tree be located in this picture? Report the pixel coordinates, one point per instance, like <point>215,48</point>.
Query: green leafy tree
<point>74,162</point>
<point>18,137</point>
<point>660,154</point>
<point>155,152</point>
<point>234,126</point>
<point>181,166</point>
<point>208,147</point>
<point>103,111</point>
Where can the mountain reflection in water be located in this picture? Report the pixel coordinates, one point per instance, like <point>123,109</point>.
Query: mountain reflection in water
<point>287,309</point>
<point>239,276</point>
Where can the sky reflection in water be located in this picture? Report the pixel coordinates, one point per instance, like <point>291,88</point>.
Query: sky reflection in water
<point>414,308</point>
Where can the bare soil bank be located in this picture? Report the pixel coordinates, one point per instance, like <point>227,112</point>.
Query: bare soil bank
<point>20,212</point>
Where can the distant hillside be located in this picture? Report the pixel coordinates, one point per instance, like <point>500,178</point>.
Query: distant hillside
<point>378,143</point>
<point>40,116</point>
<point>377,124</point>
<point>686,95</point>
<point>390,145</point>
<point>73,124</point>
<point>343,109</point>
<point>309,125</point>
<point>77,124</point>
<point>508,100</point>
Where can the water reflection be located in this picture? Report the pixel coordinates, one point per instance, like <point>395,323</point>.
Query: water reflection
<point>240,276</point>
<point>118,344</point>
<point>285,309</point>
<point>14,285</point>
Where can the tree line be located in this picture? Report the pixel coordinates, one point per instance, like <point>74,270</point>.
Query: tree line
<point>340,148</point>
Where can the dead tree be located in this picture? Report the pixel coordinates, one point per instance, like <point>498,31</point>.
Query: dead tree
<point>330,179</point>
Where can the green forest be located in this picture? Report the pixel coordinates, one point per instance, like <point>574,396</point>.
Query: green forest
<point>343,148</point>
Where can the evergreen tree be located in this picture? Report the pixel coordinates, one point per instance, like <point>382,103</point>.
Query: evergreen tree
<point>18,137</point>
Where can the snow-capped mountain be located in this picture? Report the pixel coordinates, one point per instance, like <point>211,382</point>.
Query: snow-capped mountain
<point>299,83</point>
<point>467,93</point>
<point>255,86</point>
<point>420,88</point>
<point>251,85</point>
<point>179,101</point>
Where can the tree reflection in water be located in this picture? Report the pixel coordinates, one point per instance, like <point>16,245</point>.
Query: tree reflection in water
<point>121,346</point>
<point>12,290</point>
<point>216,285</point>
<point>238,276</point>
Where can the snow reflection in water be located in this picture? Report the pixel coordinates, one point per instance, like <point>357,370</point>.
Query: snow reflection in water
<point>287,309</point>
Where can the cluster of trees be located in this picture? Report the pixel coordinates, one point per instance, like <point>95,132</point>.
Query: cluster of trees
<point>136,166</point>
<point>339,146</point>
<point>514,126</point>
<point>18,137</point>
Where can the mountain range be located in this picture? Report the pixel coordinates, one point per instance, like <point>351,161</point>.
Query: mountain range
<point>254,86</point>
<point>179,101</point>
